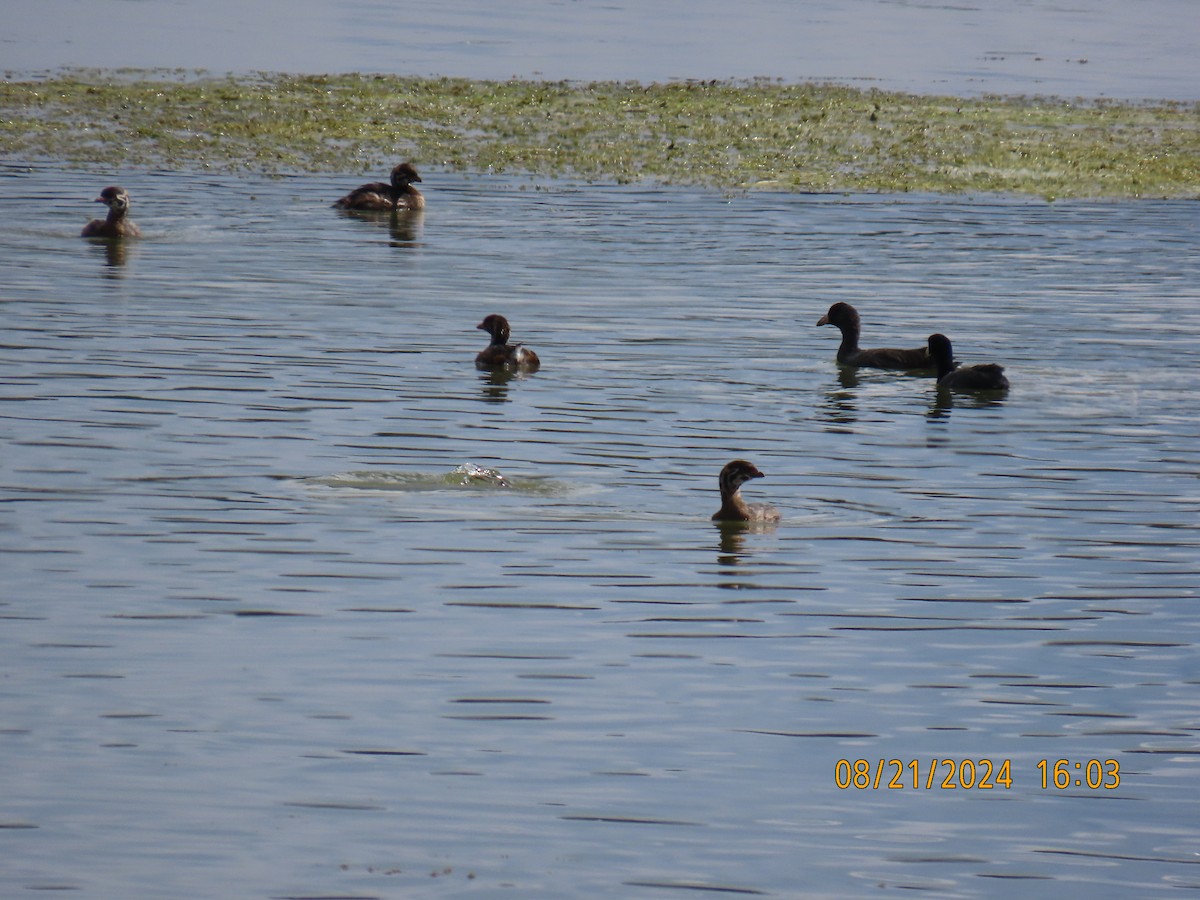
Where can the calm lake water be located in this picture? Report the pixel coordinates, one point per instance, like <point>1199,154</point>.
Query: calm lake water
<point>255,641</point>
<point>1090,48</point>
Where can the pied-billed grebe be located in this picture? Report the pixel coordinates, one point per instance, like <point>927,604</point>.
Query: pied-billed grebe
<point>500,352</point>
<point>845,317</point>
<point>981,377</point>
<point>117,224</point>
<point>733,507</point>
<point>400,194</point>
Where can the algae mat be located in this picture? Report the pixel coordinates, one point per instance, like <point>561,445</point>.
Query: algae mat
<point>728,135</point>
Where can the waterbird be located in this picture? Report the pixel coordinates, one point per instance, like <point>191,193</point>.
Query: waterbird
<point>117,224</point>
<point>399,194</point>
<point>733,507</point>
<point>845,317</point>
<point>500,352</point>
<point>979,377</point>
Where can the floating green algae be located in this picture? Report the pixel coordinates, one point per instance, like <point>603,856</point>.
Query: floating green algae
<point>729,135</point>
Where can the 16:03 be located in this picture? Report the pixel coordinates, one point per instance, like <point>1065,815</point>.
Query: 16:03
<point>1091,773</point>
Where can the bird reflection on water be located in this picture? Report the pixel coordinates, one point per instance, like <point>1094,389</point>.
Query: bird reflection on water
<point>405,228</point>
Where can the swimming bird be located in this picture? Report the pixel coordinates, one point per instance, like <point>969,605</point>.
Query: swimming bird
<point>399,194</point>
<point>980,377</point>
<point>117,223</point>
<point>845,317</point>
<point>733,507</point>
<point>500,352</point>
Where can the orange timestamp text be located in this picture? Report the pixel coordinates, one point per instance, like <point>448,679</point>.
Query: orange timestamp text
<point>971,774</point>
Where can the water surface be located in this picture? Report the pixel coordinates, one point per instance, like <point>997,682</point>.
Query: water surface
<point>1090,48</point>
<point>255,642</point>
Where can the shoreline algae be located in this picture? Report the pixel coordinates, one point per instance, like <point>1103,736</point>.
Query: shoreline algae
<point>728,135</point>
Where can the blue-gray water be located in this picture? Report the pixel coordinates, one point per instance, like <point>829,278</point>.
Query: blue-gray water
<point>255,643</point>
<point>1090,48</point>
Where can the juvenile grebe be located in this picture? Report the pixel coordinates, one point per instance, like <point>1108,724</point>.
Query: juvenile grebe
<point>981,377</point>
<point>500,352</point>
<point>845,317</point>
<point>400,194</point>
<point>117,224</point>
<point>733,507</point>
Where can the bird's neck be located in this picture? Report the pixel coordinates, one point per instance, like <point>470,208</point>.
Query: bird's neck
<point>849,340</point>
<point>945,364</point>
<point>733,506</point>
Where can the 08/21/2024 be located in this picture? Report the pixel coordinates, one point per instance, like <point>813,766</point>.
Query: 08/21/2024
<point>972,774</point>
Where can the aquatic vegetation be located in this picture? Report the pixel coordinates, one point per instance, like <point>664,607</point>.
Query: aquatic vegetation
<point>729,135</point>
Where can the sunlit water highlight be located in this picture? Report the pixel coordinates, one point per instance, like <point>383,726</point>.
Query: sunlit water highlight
<point>257,639</point>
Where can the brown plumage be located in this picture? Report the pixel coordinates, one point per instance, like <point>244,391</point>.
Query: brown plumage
<point>117,224</point>
<point>500,352</point>
<point>845,317</point>
<point>733,507</point>
<point>981,377</point>
<point>400,194</point>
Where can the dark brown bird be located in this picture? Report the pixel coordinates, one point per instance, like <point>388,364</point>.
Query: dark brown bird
<point>400,194</point>
<point>981,377</point>
<point>500,352</point>
<point>845,317</point>
<point>733,507</point>
<point>117,224</point>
